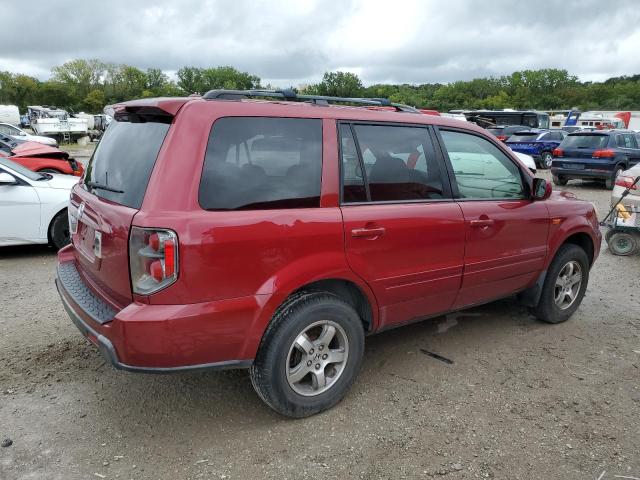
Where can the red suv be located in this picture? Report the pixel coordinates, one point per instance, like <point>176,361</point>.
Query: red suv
<point>230,231</point>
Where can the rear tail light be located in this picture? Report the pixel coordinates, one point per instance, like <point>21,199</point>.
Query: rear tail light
<point>604,153</point>
<point>626,182</point>
<point>502,138</point>
<point>153,259</point>
<point>558,152</point>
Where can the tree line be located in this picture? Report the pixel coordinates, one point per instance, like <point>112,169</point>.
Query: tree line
<point>89,85</point>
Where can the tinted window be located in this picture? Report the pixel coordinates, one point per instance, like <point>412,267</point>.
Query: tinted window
<point>576,140</point>
<point>628,141</point>
<point>353,189</point>
<point>399,162</point>
<point>124,159</point>
<point>262,163</point>
<point>481,169</point>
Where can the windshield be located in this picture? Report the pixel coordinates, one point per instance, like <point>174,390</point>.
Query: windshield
<point>585,141</point>
<point>523,137</point>
<point>123,161</point>
<point>19,169</point>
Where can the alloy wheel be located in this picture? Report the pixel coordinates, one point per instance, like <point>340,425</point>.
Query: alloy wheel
<point>568,285</point>
<point>317,358</point>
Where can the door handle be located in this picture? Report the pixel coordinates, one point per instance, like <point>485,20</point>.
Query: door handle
<point>484,222</point>
<point>367,232</point>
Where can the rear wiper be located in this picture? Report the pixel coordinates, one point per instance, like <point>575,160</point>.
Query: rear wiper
<point>100,186</point>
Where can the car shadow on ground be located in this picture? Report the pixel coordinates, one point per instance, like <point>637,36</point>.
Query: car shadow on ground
<point>26,251</point>
<point>208,400</point>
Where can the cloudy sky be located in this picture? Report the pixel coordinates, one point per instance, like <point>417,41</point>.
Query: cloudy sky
<point>294,42</point>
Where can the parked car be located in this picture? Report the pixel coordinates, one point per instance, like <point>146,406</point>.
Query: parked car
<point>503,132</point>
<point>219,232</point>
<point>623,181</point>
<point>528,161</point>
<point>537,143</point>
<point>19,134</point>
<point>599,155</point>
<point>40,158</point>
<point>33,206</point>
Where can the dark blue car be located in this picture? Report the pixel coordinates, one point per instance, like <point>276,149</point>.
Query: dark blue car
<point>598,155</point>
<point>537,143</point>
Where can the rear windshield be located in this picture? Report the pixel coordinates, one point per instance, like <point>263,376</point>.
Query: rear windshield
<point>262,163</point>
<point>124,159</point>
<point>585,141</point>
<point>523,137</point>
<point>495,131</point>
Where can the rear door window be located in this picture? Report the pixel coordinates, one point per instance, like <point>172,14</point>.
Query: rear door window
<point>398,164</point>
<point>124,159</point>
<point>258,163</point>
<point>482,171</point>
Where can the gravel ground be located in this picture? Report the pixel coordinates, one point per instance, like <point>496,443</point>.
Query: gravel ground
<point>521,399</point>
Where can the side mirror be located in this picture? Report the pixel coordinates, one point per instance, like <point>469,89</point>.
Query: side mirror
<point>541,189</point>
<point>7,179</point>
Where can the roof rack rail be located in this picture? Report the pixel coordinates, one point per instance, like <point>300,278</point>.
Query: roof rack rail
<point>291,96</point>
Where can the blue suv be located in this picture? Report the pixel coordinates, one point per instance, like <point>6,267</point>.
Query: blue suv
<point>598,155</point>
<point>537,143</point>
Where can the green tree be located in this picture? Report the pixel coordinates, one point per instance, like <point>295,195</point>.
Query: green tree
<point>338,84</point>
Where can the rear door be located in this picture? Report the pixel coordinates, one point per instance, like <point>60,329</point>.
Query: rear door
<point>506,232</point>
<point>104,204</point>
<point>404,234</point>
<point>631,148</point>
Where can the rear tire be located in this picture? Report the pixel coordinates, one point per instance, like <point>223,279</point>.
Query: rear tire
<point>293,371</point>
<point>622,243</point>
<point>59,230</point>
<point>564,285</point>
<point>560,181</point>
<point>546,160</point>
<point>610,182</point>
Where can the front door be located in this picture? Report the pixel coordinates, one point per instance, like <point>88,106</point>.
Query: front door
<point>404,234</point>
<point>20,213</point>
<point>506,231</point>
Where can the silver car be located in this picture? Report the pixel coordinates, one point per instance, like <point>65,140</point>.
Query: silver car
<point>623,181</point>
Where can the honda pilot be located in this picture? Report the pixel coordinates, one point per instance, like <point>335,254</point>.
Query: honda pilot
<point>273,231</point>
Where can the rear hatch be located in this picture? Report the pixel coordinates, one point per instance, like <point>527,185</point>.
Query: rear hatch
<point>104,204</point>
<point>582,145</point>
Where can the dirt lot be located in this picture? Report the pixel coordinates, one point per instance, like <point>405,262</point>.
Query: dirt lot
<point>521,400</point>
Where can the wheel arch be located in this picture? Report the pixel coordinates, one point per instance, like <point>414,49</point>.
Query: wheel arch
<point>584,241</point>
<point>346,286</point>
<point>51,219</point>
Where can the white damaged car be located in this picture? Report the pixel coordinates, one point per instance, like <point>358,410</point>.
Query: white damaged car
<point>33,206</point>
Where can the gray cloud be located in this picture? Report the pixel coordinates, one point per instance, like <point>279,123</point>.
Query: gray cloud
<point>287,43</point>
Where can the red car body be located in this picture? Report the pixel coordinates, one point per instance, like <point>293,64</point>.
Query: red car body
<point>38,157</point>
<point>405,261</point>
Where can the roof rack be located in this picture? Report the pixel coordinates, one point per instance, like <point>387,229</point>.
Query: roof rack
<point>291,96</point>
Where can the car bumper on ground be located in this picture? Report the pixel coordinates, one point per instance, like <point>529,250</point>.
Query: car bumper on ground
<point>159,338</point>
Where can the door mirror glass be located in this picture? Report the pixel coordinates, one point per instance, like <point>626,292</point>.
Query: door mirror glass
<point>541,189</point>
<point>7,179</point>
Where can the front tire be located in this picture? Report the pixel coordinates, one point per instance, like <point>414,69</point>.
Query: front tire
<point>560,181</point>
<point>564,285</point>
<point>59,231</point>
<point>309,355</point>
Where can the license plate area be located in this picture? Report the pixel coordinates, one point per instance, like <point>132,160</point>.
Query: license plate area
<point>574,166</point>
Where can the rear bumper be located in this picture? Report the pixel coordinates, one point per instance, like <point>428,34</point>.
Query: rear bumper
<point>160,338</point>
<point>583,173</point>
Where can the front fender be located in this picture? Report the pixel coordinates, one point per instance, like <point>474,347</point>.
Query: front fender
<point>565,228</point>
